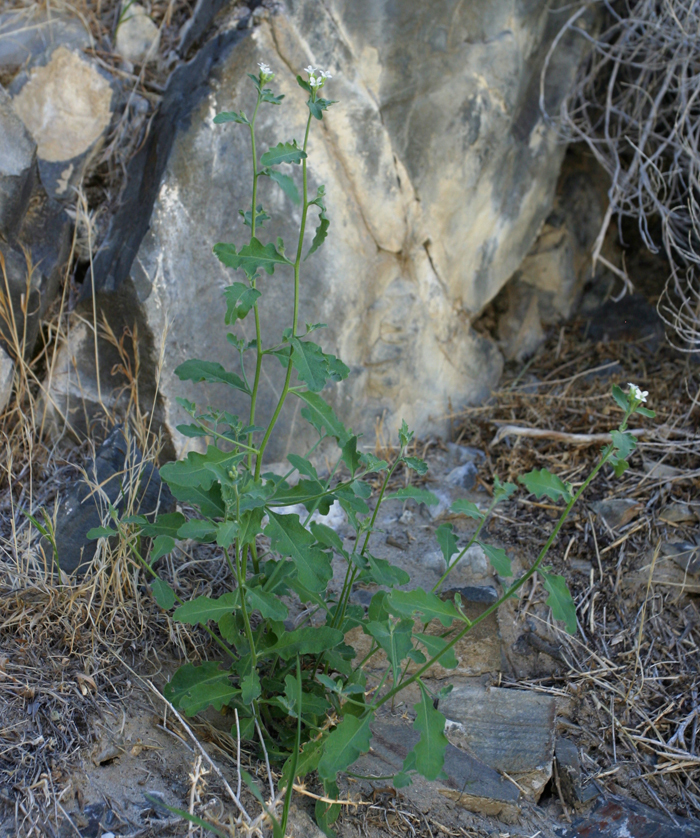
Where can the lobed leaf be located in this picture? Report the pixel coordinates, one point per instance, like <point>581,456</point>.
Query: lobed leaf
<point>306,641</point>
<point>200,610</point>
<point>412,493</point>
<point>240,298</point>
<point>543,482</point>
<point>466,507</point>
<point>283,153</point>
<point>290,538</point>
<point>498,559</point>
<point>344,745</point>
<point>210,372</point>
<point>430,749</point>
<point>560,600</point>
<point>426,604</point>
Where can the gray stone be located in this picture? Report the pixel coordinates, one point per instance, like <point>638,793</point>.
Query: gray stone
<point>508,730</point>
<point>569,776</point>
<point>470,783</point>
<point>66,105</point>
<point>27,33</point>
<point>137,35</point>
<point>686,554</point>
<point>463,476</point>
<point>117,475</point>
<point>619,817</point>
<point>7,373</point>
<point>616,512</point>
<point>439,171</point>
<point>17,168</point>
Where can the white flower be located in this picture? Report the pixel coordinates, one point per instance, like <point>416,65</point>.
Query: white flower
<point>264,69</point>
<point>315,82</point>
<point>325,75</point>
<point>637,394</point>
<point>310,70</point>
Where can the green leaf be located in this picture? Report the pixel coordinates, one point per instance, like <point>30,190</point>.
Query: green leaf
<point>226,533</point>
<point>447,541</point>
<point>303,466</point>
<point>268,604</point>
<point>498,559</point>
<point>290,538</point>
<point>283,153</point>
<point>619,466</point>
<point>328,537</point>
<point>560,600</point>
<point>321,415</point>
<point>100,532</point>
<point>373,464</point>
<point>167,524</point>
<point>311,704</point>
<point>502,491</point>
<point>208,500</point>
<point>401,780</point>
<point>211,372</point>
<point>268,96</point>
<point>202,531</point>
<point>260,217</point>
<point>396,641</point>
<point>644,411</point>
<point>251,256</point>
<point>194,472</point>
<point>350,455</point>
<point>435,645</point>
<point>200,610</point>
<point>420,495</point>
<point>310,363</point>
<point>306,641</point>
<point>344,745</point>
<point>286,184</point>
<point>317,107</point>
<point>543,482</point>
<point>466,507</point>
<point>427,605</point>
<point>163,594</point>
<point>405,435</point>
<point>193,688</point>
<point>430,750</point>
<point>620,397</point>
<point>624,444</point>
<point>250,687</point>
<point>162,545</point>
<point>385,573</point>
<point>231,116</point>
<point>240,298</point>
<point>418,465</point>
<point>250,524</point>
<point>321,231</point>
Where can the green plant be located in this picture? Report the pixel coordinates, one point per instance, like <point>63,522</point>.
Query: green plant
<point>303,690</point>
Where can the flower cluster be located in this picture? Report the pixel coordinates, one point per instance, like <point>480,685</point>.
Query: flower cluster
<point>266,73</point>
<point>317,77</point>
<point>637,394</point>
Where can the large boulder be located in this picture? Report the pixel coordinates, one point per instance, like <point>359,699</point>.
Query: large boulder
<point>439,171</point>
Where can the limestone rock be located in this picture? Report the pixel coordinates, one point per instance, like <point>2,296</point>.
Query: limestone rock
<point>137,35</point>
<point>28,32</point>
<point>66,104</point>
<point>7,371</point>
<point>438,172</point>
<point>17,168</point>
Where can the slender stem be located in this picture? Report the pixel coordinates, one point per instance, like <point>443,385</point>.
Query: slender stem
<point>295,317</point>
<point>513,588</point>
<point>258,334</point>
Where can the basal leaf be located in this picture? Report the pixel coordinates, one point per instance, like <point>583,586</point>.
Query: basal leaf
<point>194,688</point>
<point>226,533</point>
<point>162,546</point>
<point>395,639</point>
<point>268,604</point>
<point>447,541</point>
<point>290,538</point>
<point>344,745</point>
<point>425,604</point>
<point>167,524</point>
<point>250,687</point>
<point>100,532</point>
<point>283,153</point>
<point>200,610</point>
<point>498,559</point>
<point>322,416</point>
<point>286,184</point>
<point>306,641</point>
<point>543,482</point>
<point>240,298</point>
<point>163,594</point>
<point>202,531</point>
<point>466,507</point>
<point>420,495</point>
<point>430,749</point>
<point>211,372</point>
<point>560,600</point>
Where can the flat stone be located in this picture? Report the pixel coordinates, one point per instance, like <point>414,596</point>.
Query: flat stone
<point>677,567</point>
<point>508,730</point>
<point>137,35</point>
<point>470,783</point>
<point>7,372</point>
<point>686,554</point>
<point>66,105</point>
<point>116,468</point>
<point>677,513</point>
<point>616,512</point>
<point>618,817</point>
<point>463,476</point>
<point>17,167</point>
<point>570,777</point>
<point>28,33</point>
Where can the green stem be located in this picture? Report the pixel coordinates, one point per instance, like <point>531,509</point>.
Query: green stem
<point>295,317</point>
<point>258,333</point>
<point>512,590</point>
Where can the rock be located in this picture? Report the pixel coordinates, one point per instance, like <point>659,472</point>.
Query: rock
<point>685,554</point>
<point>511,731</point>
<point>470,783</point>
<point>632,318</point>
<point>35,235</point>
<point>28,32</point>
<point>124,480</point>
<point>66,104</point>
<point>677,567</point>
<point>618,817</point>
<point>677,513</point>
<point>301,825</point>
<point>137,35</point>
<point>472,593</point>
<point>463,476</point>
<point>7,373</point>
<point>660,471</point>
<point>17,168</point>
<point>412,155</point>
<point>616,512</point>
<point>569,774</point>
